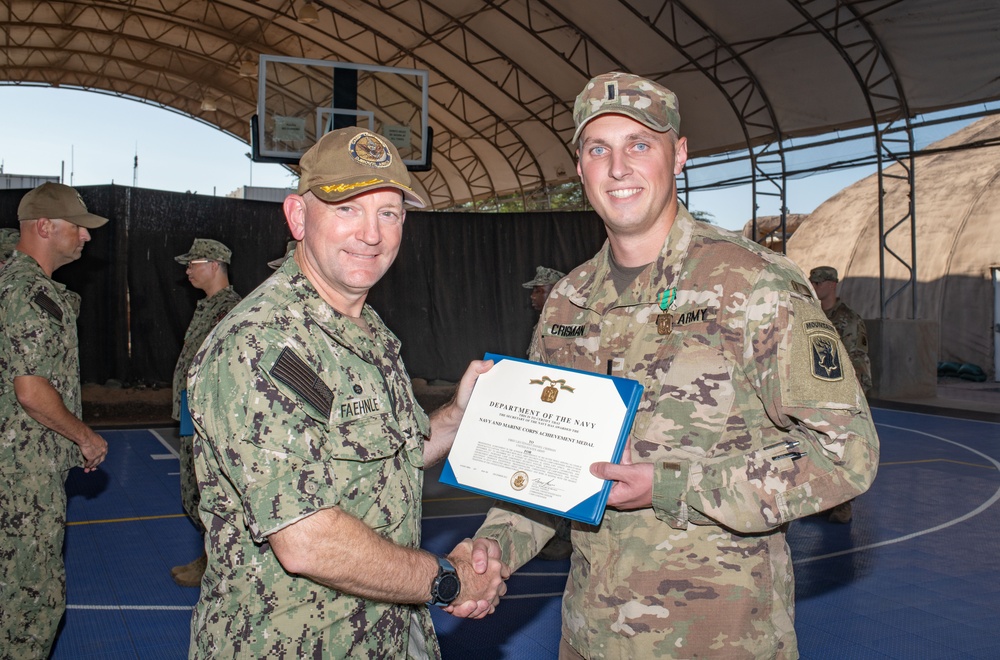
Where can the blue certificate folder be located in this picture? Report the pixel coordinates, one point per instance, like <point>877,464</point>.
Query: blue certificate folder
<point>508,465</point>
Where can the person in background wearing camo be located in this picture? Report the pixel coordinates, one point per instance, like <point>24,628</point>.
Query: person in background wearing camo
<point>310,446</point>
<point>207,268</point>
<point>559,546</point>
<point>541,285</point>
<point>275,264</point>
<point>853,333</point>
<point>750,417</point>
<point>8,241</point>
<point>42,435</point>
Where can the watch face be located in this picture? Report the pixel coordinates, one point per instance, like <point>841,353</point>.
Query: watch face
<point>448,587</point>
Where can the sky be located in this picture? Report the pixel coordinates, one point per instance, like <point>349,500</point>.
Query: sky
<point>93,139</point>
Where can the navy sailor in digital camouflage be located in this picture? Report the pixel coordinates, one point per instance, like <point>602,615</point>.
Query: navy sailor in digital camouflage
<point>42,434</point>
<point>206,265</point>
<point>310,446</point>
<point>751,415</point>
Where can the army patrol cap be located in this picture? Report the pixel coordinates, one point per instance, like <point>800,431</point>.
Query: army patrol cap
<point>9,239</point>
<point>57,202</point>
<point>645,101</point>
<point>349,161</point>
<point>823,274</point>
<point>275,264</point>
<point>205,248</point>
<point>543,277</point>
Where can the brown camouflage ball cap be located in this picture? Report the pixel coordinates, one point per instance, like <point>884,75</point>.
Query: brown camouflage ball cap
<point>57,201</point>
<point>275,264</point>
<point>645,101</point>
<point>823,274</point>
<point>205,248</point>
<point>349,161</point>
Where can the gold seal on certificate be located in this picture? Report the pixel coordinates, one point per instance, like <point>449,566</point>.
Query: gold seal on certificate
<point>532,430</point>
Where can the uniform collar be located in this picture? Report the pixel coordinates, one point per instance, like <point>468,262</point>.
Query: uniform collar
<point>336,325</point>
<point>597,292</point>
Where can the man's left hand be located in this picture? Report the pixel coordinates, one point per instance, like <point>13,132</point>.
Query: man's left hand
<point>633,484</point>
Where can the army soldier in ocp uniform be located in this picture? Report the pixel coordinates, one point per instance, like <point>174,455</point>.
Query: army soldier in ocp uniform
<point>310,445</point>
<point>850,326</point>
<point>751,416</point>
<point>41,433</point>
<point>853,333</point>
<point>207,268</point>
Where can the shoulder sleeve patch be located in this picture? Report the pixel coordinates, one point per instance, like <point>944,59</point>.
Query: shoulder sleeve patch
<point>48,305</point>
<point>818,372</point>
<point>292,370</point>
<point>825,353</point>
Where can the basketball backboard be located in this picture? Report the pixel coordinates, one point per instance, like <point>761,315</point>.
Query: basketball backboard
<point>299,100</point>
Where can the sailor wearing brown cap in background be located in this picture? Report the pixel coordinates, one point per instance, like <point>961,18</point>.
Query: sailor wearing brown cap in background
<point>207,269</point>
<point>310,445</point>
<point>41,432</point>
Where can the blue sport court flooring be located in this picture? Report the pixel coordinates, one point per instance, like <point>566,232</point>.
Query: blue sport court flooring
<point>916,575</point>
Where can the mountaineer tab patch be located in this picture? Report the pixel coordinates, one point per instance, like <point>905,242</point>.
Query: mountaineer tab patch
<point>560,330</point>
<point>49,305</point>
<point>824,348</point>
<point>291,370</point>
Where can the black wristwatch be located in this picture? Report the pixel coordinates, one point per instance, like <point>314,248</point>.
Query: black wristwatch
<point>446,585</point>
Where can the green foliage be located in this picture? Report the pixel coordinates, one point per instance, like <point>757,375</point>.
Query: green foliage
<point>703,216</point>
<point>567,196</point>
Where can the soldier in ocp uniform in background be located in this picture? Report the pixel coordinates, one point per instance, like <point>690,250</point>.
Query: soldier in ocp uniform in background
<point>853,333</point>
<point>207,268</point>
<point>850,326</point>
<point>41,432</point>
<point>310,446</point>
<point>750,416</point>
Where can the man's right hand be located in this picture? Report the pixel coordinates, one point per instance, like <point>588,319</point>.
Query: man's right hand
<point>483,578</point>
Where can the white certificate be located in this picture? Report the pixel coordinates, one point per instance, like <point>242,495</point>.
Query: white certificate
<point>532,430</point>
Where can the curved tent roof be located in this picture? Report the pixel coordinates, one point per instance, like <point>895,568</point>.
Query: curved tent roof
<point>503,75</point>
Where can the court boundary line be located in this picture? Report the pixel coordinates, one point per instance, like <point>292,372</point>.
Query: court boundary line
<point>937,528</point>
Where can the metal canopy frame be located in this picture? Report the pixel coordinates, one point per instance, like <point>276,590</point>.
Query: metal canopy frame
<point>754,79</point>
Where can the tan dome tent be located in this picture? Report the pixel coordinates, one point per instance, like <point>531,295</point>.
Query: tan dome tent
<point>957,248</point>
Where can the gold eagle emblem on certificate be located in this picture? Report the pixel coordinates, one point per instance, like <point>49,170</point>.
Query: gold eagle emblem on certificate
<point>519,481</point>
<point>552,387</point>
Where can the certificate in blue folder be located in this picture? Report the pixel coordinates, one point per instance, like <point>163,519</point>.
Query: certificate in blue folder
<point>532,430</point>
